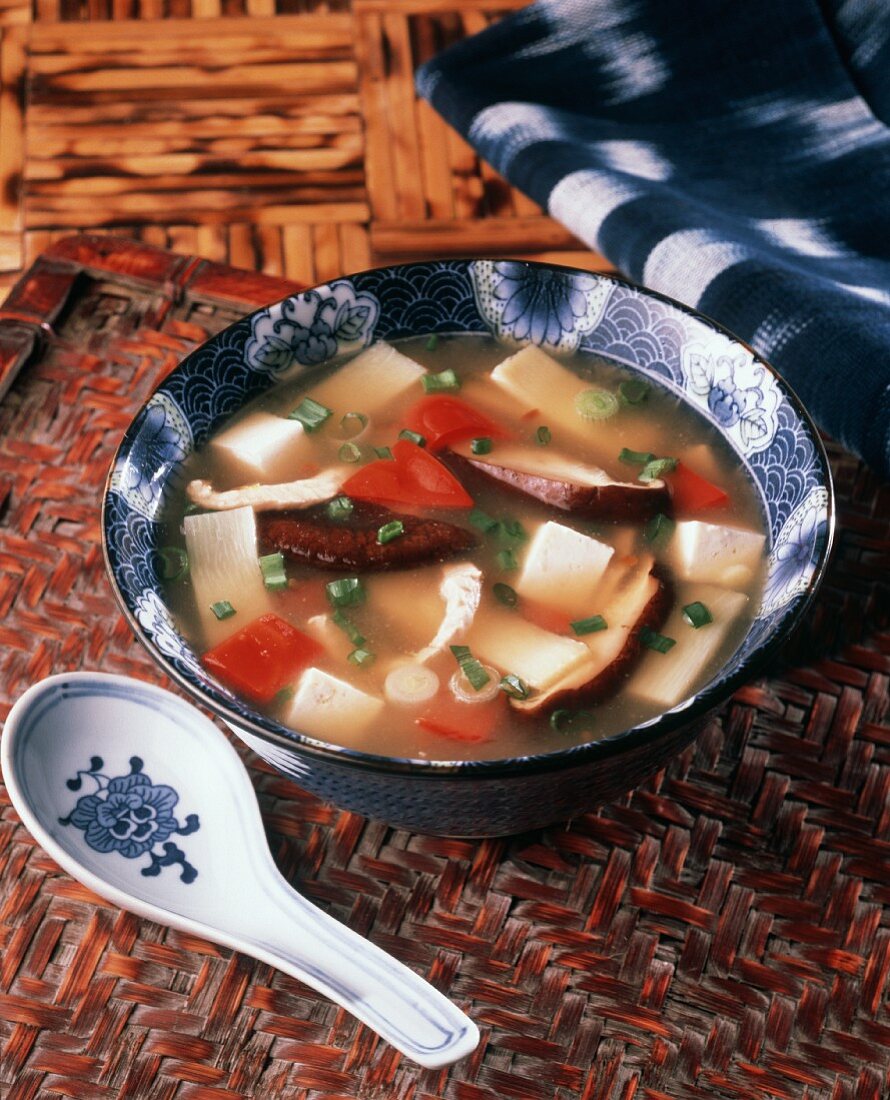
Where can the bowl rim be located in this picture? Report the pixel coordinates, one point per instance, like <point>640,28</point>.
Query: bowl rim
<point>695,707</point>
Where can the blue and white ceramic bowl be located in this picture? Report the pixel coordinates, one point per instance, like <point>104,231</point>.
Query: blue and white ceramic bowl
<point>563,310</point>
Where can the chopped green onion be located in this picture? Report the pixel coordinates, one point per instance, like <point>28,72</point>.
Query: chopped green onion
<point>505,594</point>
<point>543,435</point>
<point>696,614</point>
<point>483,521</point>
<point>653,640</point>
<point>311,414</point>
<point>361,657</point>
<point>353,423</point>
<point>596,404</point>
<point>390,531</point>
<point>634,391</point>
<point>656,468</point>
<point>274,576</point>
<point>383,452</point>
<point>191,508</point>
<point>281,697</point>
<point>433,342</point>
<point>222,609</point>
<point>514,687</point>
<point>481,445</point>
<point>635,458</point>
<point>514,530</point>
<point>348,627</point>
<point>174,563</point>
<point>345,592</point>
<point>563,721</point>
<point>350,452</point>
<point>412,437</point>
<point>507,560</point>
<point>442,382</point>
<point>658,529</point>
<point>470,667</point>
<point>589,626</point>
<point>340,508</point>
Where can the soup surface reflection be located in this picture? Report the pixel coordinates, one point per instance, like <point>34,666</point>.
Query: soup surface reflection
<point>453,549</point>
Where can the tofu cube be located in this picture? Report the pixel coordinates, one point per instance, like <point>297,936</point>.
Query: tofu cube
<point>562,568</point>
<point>501,638</point>
<point>369,383</point>
<point>332,709</point>
<point>260,448</point>
<point>666,679</point>
<point>714,554</point>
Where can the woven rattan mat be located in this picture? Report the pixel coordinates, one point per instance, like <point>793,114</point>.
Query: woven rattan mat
<point>724,931</point>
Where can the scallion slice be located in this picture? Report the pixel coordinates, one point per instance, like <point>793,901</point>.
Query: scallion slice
<point>596,404</point>
<point>481,445</point>
<point>543,435</point>
<point>514,687</point>
<point>633,391</point>
<point>274,576</point>
<point>506,595</point>
<point>361,657</point>
<point>513,529</point>
<point>390,531</point>
<point>696,614</point>
<point>564,721</point>
<point>442,382</point>
<point>483,522</point>
<point>311,414</point>
<point>635,458</point>
<point>433,342</point>
<point>222,609</point>
<point>340,508</point>
<point>412,437</point>
<point>653,640</point>
<point>348,627</point>
<point>383,452</point>
<point>174,563</point>
<point>589,626</point>
<point>654,469</point>
<point>659,529</point>
<point>282,696</point>
<point>353,423</point>
<point>507,560</point>
<point>345,592</point>
<point>350,452</point>
<point>470,667</point>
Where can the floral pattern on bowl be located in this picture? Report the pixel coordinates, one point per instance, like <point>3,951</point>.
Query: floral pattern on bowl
<point>514,301</point>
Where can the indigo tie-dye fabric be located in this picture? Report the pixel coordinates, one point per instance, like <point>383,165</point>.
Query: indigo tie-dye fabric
<point>735,156</point>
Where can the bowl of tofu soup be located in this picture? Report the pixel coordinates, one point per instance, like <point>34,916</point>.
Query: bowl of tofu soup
<point>469,546</point>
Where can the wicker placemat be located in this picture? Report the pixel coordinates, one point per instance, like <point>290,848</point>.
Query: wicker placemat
<point>722,932</point>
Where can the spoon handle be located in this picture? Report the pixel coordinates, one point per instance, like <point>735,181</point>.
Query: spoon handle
<point>294,935</point>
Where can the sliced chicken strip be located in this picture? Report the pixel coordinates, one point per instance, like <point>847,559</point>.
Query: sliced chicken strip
<point>461,589</point>
<point>265,498</point>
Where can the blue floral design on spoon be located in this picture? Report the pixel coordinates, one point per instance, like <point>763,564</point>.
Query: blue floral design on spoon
<point>131,815</point>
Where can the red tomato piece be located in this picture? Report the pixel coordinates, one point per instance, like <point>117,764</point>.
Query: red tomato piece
<point>262,658</point>
<point>443,420</point>
<point>471,723</point>
<point>691,492</point>
<point>412,476</point>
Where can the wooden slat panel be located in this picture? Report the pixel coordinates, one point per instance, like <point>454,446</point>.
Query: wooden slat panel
<point>12,76</point>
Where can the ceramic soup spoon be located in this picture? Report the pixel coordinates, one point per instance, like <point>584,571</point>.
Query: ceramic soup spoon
<point>140,797</point>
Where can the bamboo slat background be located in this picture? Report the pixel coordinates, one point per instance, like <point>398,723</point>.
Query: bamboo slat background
<point>278,135</point>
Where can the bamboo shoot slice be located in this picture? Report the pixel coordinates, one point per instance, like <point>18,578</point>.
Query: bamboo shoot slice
<point>370,383</point>
<point>512,644</point>
<point>666,679</point>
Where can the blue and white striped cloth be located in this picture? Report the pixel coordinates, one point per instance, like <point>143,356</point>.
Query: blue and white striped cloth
<point>735,156</point>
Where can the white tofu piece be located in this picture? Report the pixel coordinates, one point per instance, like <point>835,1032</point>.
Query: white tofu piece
<point>562,568</point>
<point>370,383</point>
<point>666,679</point>
<point>537,381</point>
<point>512,644</point>
<point>260,448</point>
<point>332,709</point>
<point>715,554</point>
<point>223,565</point>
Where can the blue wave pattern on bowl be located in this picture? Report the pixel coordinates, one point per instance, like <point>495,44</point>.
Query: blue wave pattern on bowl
<point>517,302</point>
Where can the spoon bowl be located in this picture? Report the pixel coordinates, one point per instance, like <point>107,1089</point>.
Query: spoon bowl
<point>142,799</point>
